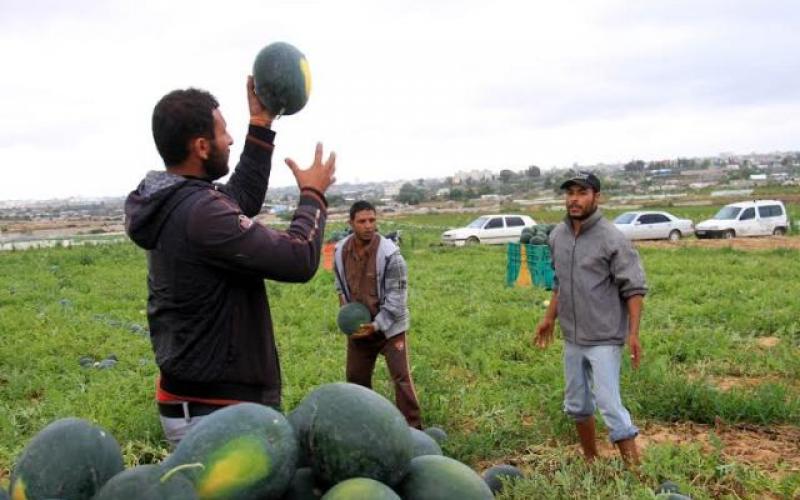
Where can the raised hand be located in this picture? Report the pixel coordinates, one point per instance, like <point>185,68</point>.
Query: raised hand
<point>319,175</point>
<point>258,113</point>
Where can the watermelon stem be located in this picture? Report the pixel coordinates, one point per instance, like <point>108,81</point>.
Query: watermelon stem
<point>167,475</point>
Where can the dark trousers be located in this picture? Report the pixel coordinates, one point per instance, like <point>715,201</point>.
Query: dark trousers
<point>361,356</point>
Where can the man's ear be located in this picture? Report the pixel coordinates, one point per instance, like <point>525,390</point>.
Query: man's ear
<point>200,147</point>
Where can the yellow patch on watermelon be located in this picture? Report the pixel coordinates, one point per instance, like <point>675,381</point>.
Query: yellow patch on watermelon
<point>236,465</point>
<point>306,69</point>
<point>18,493</point>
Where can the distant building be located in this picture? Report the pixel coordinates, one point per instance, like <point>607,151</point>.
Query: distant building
<point>475,175</point>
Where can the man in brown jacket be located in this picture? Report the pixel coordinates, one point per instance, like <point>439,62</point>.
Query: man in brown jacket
<point>369,269</point>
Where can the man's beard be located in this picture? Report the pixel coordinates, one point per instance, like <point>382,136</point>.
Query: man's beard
<point>216,165</point>
<point>585,214</point>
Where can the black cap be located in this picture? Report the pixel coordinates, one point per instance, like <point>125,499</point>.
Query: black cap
<point>582,178</point>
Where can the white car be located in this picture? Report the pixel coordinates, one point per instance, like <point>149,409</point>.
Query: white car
<point>653,226</point>
<point>747,218</point>
<point>489,229</point>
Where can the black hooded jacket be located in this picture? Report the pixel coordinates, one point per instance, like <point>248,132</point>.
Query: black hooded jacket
<point>207,305</point>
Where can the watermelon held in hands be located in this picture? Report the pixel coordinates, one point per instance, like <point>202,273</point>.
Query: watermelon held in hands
<point>351,316</point>
<point>282,78</point>
<point>246,451</point>
<point>434,477</point>
<point>70,458</point>
<point>147,482</point>
<point>360,488</point>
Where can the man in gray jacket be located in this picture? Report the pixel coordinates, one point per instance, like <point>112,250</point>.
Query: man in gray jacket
<point>597,296</point>
<point>369,269</point>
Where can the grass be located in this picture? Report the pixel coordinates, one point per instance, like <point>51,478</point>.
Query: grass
<point>476,372</point>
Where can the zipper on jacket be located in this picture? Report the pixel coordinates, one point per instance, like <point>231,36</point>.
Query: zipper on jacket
<point>572,288</point>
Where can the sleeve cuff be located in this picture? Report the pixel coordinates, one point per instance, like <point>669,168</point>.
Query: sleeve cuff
<point>259,143</point>
<point>637,291</point>
<point>310,196</point>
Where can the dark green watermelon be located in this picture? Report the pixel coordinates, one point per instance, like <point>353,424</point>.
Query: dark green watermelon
<point>147,482</point>
<point>360,488</point>
<point>300,419</point>
<point>436,433</point>
<point>497,474</point>
<point>424,444</point>
<point>247,451</point>
<point>538,239</point>
<point>356,432</point>
<point>70,458</point>
<point>282,78</point>
<point>303,486</point>
<point>434,477</point>
<point>526,234</point>
<point>351,316</point>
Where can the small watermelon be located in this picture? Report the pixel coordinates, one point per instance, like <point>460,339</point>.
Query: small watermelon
<point>70,458</point>
<point>436,433</point>
<point>360,488</point>
<point>147,482</point>
<point>247,451</point>
<point>303,486</point>
<point>424,444</point>
<point>497,474</point>
<point>352,316</point>
<point>282,78</point>
<point>433,477</point>
<point>526,234</point>
<point>356,432</point>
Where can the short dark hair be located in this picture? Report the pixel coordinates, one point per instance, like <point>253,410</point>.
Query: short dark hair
<point>179,117</point>
<point>360,206</point>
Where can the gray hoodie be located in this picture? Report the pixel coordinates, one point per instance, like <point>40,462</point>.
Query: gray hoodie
<point>595,273</point>
<point>392,276</point>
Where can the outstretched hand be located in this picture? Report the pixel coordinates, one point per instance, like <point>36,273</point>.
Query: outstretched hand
<point>319,175</point>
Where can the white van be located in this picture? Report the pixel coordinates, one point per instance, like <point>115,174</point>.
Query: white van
<point>746,218</point>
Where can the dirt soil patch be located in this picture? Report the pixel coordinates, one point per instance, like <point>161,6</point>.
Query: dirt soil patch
<point>768,342</point>
<point>771,450</point>
<point>760,243</point>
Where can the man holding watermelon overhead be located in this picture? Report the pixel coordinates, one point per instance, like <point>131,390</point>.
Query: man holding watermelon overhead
<point>597,296</point>
<point>370,270</point>
<point>207,308</point>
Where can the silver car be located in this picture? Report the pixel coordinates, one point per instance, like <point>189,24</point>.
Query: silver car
<point>653,226</point>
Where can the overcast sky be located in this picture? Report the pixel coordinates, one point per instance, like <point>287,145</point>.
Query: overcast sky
<point>401,89</point>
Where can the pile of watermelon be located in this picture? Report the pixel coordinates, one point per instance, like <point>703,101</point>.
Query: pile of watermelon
<point>536,235</point>
<point>341,441</point>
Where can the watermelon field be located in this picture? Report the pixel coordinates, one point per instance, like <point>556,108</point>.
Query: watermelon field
<point>717,396</point>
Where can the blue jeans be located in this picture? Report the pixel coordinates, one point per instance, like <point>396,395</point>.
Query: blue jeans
<point>592,376</point>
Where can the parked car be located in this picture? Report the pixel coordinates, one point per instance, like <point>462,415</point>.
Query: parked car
<point>653,226</point>
<point>747,218</point>
<point>489,229</point>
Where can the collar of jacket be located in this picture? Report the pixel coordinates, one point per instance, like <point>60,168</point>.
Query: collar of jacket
<point>587,223</point>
